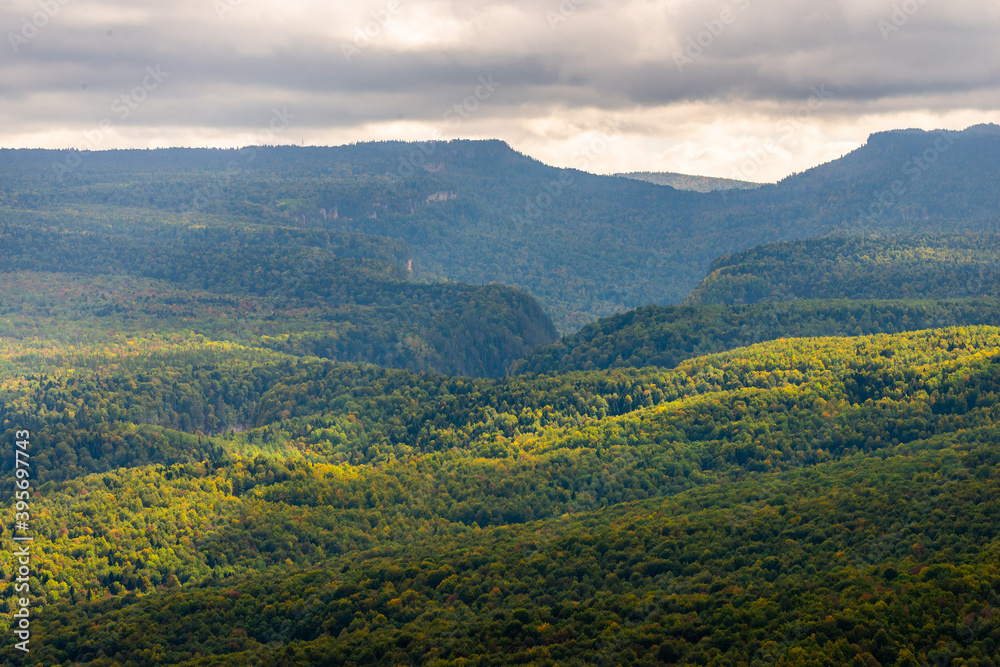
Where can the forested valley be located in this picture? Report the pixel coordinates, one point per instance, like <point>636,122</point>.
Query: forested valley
<point>271,425</point>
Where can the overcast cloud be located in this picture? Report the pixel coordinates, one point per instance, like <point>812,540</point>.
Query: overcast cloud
<point>735,88</point>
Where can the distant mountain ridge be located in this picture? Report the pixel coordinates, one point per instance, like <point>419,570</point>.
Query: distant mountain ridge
<point>586,246</point>
<point>688,182</point>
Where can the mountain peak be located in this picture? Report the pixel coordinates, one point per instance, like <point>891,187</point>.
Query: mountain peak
<point>982,129</point>
<point>991,129</point>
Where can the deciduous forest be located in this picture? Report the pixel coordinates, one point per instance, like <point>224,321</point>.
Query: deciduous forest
<point>303,411</point>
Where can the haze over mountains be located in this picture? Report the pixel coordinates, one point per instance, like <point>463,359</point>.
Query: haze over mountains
<point>586,246</point>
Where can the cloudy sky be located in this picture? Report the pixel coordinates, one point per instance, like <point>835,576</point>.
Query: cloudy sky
<point>752,89</point>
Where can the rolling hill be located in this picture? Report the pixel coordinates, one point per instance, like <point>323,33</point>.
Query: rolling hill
<point>836,286</point>
<point>892,267</point>
<point>335,295</point>
<point>824,500</point>
<point>667,335</point>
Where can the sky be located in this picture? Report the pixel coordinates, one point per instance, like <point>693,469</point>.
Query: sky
<point>743,89</point>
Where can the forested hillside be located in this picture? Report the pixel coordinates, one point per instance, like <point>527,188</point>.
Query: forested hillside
<point>839,286</point>
<point>792,502</point>
<point>667,335</point>
<point>342,296</point>
<point>476,211</point>
<point>892,267</point>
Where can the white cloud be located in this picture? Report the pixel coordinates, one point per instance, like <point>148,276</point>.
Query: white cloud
<point>568,69</point>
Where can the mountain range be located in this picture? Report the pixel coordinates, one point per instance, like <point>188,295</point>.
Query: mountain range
<point>441,404</point>
<point>585,246</point>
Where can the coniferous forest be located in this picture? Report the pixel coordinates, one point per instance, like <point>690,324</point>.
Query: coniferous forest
<point>300,406</point>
